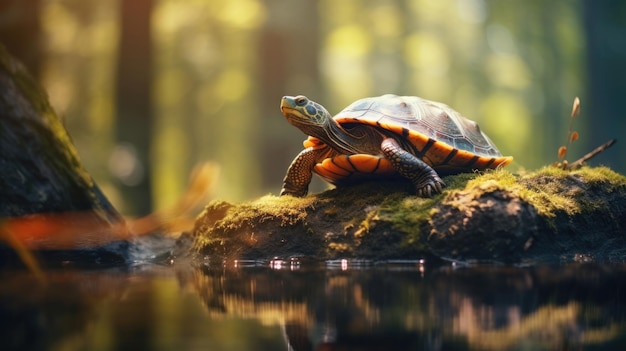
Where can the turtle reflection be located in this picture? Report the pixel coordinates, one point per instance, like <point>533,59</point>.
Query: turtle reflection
<point>464,309</point>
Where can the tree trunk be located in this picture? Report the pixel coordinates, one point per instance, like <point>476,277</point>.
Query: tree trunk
<point>20,32</point>
<point>134,107</point>
<point>41,172</point>
<point>40,168</point>
<point>605,31</point>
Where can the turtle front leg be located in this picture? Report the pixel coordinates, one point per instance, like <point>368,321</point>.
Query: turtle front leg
<point>425,179</point>
<point>300,172</point>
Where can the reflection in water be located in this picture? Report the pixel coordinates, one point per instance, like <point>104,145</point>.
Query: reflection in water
<point>337,307</point>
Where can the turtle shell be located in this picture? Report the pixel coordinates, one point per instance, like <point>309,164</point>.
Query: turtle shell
<point>440,136</point>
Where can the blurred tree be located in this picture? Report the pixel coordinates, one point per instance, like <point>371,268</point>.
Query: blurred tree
<point>130,161</point>
<point>221,66</point>
<point>605,31</point>
<point>20,32</point>
<point>288,65</point>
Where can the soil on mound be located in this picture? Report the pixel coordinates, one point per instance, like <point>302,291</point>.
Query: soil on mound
<point>549,215</point>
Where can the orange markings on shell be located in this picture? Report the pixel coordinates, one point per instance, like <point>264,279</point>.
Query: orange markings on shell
<point>360,162</point>
<point>440,135</point>
<point>312,142</point>
<point>333,168</point>
<point>351,167</point>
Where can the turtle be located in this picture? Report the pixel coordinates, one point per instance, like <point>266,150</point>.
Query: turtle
<point>384,137</point>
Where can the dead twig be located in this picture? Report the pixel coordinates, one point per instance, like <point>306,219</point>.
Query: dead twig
<point>578,163</point>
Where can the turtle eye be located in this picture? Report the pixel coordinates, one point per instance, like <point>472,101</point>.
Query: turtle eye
<point>301,100</point>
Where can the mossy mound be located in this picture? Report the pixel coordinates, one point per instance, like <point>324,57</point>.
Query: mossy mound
<point>548,215</point>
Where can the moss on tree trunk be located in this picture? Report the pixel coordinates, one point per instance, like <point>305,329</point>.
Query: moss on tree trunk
<point>41,171</point>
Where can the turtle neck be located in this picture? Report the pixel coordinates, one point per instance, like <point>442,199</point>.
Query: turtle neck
<point>338,138</point>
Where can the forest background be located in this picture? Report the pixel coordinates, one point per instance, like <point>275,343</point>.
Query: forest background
<point>149,88</point>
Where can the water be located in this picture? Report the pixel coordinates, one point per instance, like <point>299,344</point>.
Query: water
<point>339,305</point>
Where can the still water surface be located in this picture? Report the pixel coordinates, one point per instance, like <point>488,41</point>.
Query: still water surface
<point>342,305</point>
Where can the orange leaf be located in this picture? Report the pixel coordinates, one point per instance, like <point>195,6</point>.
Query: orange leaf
<point>562,151</point>
<point>575,107</point>
<point>574,136</point>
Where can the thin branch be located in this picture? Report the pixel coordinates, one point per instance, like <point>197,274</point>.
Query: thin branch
<point>591,154</point>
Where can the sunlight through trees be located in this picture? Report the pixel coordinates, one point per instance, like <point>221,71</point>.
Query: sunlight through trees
<point>220,68</point>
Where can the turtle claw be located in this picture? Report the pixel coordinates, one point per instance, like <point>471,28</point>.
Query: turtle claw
<point>431,188</point>
<point>422,192</point>
<point>439,184</point>
<point>299,193</point>
<point>426,192</point>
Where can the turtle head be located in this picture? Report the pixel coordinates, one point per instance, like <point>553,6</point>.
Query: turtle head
<point>309,116</point>
<point>314,120</point>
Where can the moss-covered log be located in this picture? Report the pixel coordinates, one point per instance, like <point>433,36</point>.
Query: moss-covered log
<point>549,215</point>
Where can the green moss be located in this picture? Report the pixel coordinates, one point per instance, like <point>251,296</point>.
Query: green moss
<point>384,219</point>
<point>549,190</point>
<point>544,191</point>
<point>604,176</point>
<point>342,248</point>
<point>221,217</point>
<point>410,214</point>
<point>37,98</point>
<point>287,210</point>
<point>459,181</point>
<point>592,175</point>
<point>371,217</point>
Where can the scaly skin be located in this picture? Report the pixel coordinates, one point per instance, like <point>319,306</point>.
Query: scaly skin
<point>300,172</point>
<point>424,177</point>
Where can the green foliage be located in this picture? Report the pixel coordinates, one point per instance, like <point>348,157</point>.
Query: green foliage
<point>222,66</point>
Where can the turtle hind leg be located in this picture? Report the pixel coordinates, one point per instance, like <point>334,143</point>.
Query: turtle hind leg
<point>300,172</point>
<point>424,177</point>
